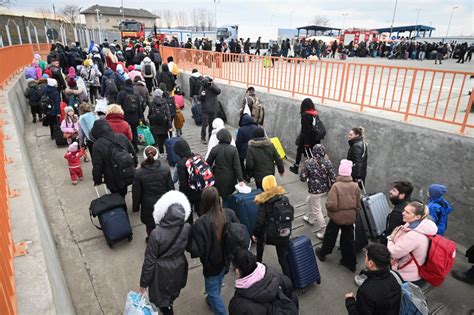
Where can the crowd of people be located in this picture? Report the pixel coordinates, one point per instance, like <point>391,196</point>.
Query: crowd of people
<point>97,98</point>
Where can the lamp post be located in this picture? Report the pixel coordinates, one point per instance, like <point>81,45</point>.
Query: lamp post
<point>215,11</point>
<point>393,18</point>
<point>98,24</point>
<point>416,23</point>
<point>450,18</point>
<point>291,16</point>
<point>123,13</point>
<point>344,20</point>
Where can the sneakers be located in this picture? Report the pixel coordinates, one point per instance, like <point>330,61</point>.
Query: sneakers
<point>461,276</point>
<point>320,234</point>
<point>306,219</point>
<point>359,279</point>
<point>294,169</point>
<point>318,253</point>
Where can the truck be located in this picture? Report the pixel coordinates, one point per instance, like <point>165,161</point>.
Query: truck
<point>228,32</point>
<point>131,29</point>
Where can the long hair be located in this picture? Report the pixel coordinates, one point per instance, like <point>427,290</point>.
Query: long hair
<point>211,203</point>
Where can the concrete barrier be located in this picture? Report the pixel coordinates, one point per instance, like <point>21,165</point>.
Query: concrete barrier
<point>40,284</point>
<point>397,150</point>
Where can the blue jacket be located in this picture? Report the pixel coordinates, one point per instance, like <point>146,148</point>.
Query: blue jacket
<point>244,134</point>
<point>53,94</point>
<point>439,210</point>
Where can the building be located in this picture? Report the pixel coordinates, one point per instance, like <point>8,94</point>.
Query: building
<point>110,17</point>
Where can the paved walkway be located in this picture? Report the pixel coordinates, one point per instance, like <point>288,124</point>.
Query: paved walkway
<point>99,277</point>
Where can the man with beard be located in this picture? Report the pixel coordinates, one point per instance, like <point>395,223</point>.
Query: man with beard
<point>400,195</point>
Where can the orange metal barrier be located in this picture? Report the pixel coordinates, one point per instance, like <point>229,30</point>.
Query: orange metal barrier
<point>438,95</point>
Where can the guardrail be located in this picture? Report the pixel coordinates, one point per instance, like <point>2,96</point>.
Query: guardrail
<point>437,95</point>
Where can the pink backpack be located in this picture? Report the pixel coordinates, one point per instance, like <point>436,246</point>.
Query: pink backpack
<point>179,101</point>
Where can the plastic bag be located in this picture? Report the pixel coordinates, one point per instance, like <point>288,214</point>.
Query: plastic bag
<point>138,304</point>
<point>145,137</point>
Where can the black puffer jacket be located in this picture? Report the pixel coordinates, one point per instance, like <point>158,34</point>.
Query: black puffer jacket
<point>183,150</point>
<point>225,163</point>
<point>245,134</point>
<point>358,153</point>
<point>208,97</point>
<point>262,158</point>
<point>166,273</point>
<point>130,117</point>
<point>101,155</point>
<point>149,184</point>
<point>166,77</point>
<point>194,84</point>
<point>257,300</point>
<point>394,219</point>
<point>318,171</point>
<point>307,135</point>
<point>161,128</point>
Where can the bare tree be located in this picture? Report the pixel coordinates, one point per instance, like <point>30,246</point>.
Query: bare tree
<point>167,17</point>
<point>44,13</point>
<point>321,20</point>
<point>210,19</point>
<point>202,14</point>
<point>71,13</point>
<point>194,14</point>
<point>4,3</point>
<point>181,18</point>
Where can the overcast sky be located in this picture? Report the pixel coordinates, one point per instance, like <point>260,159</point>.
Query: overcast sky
<point>264,17</point>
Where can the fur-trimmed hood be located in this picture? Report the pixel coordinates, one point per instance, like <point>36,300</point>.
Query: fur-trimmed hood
<point>179,205</point>
<point>269,194</point>
<point>260,142</point>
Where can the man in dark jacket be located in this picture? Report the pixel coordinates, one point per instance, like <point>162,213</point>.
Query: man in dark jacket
<point>262,158</point>
<point>102,164</point>
<point>244,135</point>
<point>57,73</point>
<point>380,293</point>
<point>400,196</point>
<point>132,105</point>
<point>110,90</point>
<point>194,85</point>
<point>208,97</point>
<point>51,90</point>
<point>358,154</point>
<point>166,77</point>
<point>160,120</point>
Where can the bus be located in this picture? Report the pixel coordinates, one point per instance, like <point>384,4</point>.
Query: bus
<point>131,29</point>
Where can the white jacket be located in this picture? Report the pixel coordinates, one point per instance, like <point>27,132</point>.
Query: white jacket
<point>217,125</point>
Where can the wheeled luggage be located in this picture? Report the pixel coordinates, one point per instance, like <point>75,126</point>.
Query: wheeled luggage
<point>196,111</point>
<point>375,210</point>
<point>171,156</point>
<point>277,144</point>
<point>58,135</point>
<point>245,208</point>
<point>302,261</point>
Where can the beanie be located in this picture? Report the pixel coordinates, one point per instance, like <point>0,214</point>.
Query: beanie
<point>437,190</point>
<point>73,147</point>
<point>259,133</point>
<point>71,83</point>
<point>68,109</point>
<point>345,168</point>
<point>269,182</point>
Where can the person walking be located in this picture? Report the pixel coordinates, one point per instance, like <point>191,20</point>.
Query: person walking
<point>85,124</point>
<point>132,105</point>
<point>164,255</point>
<point>217,125</point>
<point>358,153</point>
<point>206,243</point>
<point>244,134</point>
<point>194,86</point>
<point>439,207</point>
<point>208,97</point>
<point>252,106</point>
<point>151,181</point>
<point>91,75</point>
<point>343,205</point>
<point>52,96</point>
<point>115,118</point>
<point>257,46</point>
<point>160,121</point>
<point>148,70</point>
<point>318,171</point>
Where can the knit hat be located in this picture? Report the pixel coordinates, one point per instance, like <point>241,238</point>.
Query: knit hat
<point>259,133</point>
<point>52,82</point>
<point>437,190</point>
<point>73,147</point>
<point>71,83</point>
<point>224,136</point>
<point>68,109</point>
<point>345,168</point>
<point>217,123</point>
<point>269,182</point>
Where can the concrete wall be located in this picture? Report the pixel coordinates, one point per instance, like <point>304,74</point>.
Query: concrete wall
<point>397,151</point>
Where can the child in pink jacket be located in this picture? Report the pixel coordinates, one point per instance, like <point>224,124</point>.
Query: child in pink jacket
<point>69,125</point>
<point>73,157</point>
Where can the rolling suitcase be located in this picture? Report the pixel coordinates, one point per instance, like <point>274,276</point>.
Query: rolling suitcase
<point>114,221</point>
<point>375,210</point>
<point>172,157</point>
<point>58,135</point>
<point>277,144</point>
<point>245,208</point>
<point>302,261</point>
<point>196,111</point>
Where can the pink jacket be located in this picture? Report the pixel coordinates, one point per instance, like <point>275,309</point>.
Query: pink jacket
<point>406,241</point>
<point>69,127</point>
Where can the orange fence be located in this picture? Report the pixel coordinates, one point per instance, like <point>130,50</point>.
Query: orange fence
<point>437,95</point>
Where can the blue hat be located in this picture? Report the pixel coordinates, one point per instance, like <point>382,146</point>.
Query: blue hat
<point>437,190</point>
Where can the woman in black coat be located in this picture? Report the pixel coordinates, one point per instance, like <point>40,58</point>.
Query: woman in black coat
<point>307,137</point>
<point>151,181</point>
<point>165,268</point>
<point>166,77</point>
<point>358,154</point>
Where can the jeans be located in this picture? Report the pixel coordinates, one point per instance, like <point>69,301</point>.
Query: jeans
<point>207,119</point>
<point>281,253</point>
<point>315,212</point>
<point>213,290</point>
<point>346,242</point>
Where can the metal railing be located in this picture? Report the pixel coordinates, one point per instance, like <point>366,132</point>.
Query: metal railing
<point>436,95</point>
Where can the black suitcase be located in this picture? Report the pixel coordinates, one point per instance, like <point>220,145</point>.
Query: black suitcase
<point>58,136</point>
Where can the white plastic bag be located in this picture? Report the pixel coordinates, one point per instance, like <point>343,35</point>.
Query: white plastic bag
<point>138,304</point>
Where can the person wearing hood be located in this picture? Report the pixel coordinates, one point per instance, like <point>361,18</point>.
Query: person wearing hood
<point>208,93</point>
<point>151,181</point>
<point>318,171</point>
<point>257,286</point>
<point>110,91</point>
<point>358,153</point>
<point>41,63</point>
<point>121,72</point>
<point>264,227</point>
<point>343,205</point>
<point>159,117</point>
<point>90,74</point>
<point>134,73</point>
<point>85,124</point>
<point>33,93</point>
<point>194,85</point>
<point>114,117</point>
<point>307,137</point>
<point>244,134</point>
<point>51,90</point>
<point>224,160</point>
<point>102,166</point>
<point>439,207</point>
<point>132,105</point>
<point>262,158</point>
<point>166,77</point>
<point>217,125</point>
<point>139,56</point>
<point>139,87</point>
<point>409,242</point>
<point>165,267</point>
<point>98,62</point>
<point>75,95</point>
<point>148,70</point>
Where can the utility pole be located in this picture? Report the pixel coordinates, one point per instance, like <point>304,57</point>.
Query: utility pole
<point>393,18</point>
<point>98,24</point>
<point>450,18</point>
<point>123,13</point>
<point>215,12</point>
<point>344,20</point>
<point>416,23</point>
<point>54,11</point>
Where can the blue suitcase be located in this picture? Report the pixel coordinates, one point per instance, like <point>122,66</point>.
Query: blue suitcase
<point>172,157</point>
<point>302,261</point>
<point>244,207</point>
<point>196,111</point>
<point>115,226</point>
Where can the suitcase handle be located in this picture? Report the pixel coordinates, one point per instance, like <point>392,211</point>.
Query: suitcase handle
<point>97,191</point>
<point>363,186</point>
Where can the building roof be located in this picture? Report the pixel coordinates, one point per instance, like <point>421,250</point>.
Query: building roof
<point>408,28</point>
<point>128,12</point>
<point>318,28</point>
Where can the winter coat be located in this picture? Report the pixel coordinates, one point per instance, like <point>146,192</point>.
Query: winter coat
<point>131,118</point>
<point>394,219</point>
<point>208,97</point>
<point>133,74</point>
<point>108,73</point>
<point>258,298</point>
<point>179,119</point>
<point>70,126</point>
<point>244,134</point>
<point>141,89</point>
<point>183,150</point>
<point>53,94</point>
<point>77,92</point>
<point>74,158</point>
<point>85,123</point>
<point>256,113</point>
<point>404,241</point>
<point>205,245</point>
<point>163,128</point>
<point>225,163</point>
<point>262,158</point>
<point>33,93</point>
<point>91,75</point>
<point>166,77</point>
<point>195,84</point>
<point>119,125</point>
<point>166,273</point>
<point>318,171</point>
<point>440,208</point>
<point>266,211</point>
<point>147,61</point>
<point>379,294</point>
<point>343,203</point>
<point>149,184</point>
<point>101,155</point>
<point>358,153</point>
<point>307,136</point>
<point>217,125</point>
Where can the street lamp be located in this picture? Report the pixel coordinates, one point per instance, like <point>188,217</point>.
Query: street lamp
<point>215,11</point>
<point>344,20</point>
<point>123,12</point>
<point>393,18</point>
<point>98,24</point>
<point>291,16</point>
<point>416,23</point>
<point>450,18</point>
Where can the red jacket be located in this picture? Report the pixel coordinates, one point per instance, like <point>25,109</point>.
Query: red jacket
<point>74,158</point>
<point>119,125</point>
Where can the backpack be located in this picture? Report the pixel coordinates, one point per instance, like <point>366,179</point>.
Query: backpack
<point>46,104</point>
<point>157,57</point>
<point>319,130</point>
<point>123,163</point>
<point>110,86</point>
<point>171,105</point>
<point>234,236</point>
<point>413,300</point>
<point>199,173</point>
<point>280,221</point>
<point>157,115</point>
<point>36,93</point>
<point>283,305</point>
<point>147,69</point>
<point>257,109</point>
<point>131,103</point>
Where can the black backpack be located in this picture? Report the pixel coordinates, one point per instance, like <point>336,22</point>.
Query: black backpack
<point>36,93</point>
<point>157,114</point>
<point>157,57</point>
<point>110,86</point>
<point>319,130</point>
<point>131,103</point>
<point>171,105</point>
<point>147,68</point>
<point>281,220</point>
<point>46,104</point>
<point>123,163</point>
<point>283,305</point>
<point>234,236</point>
